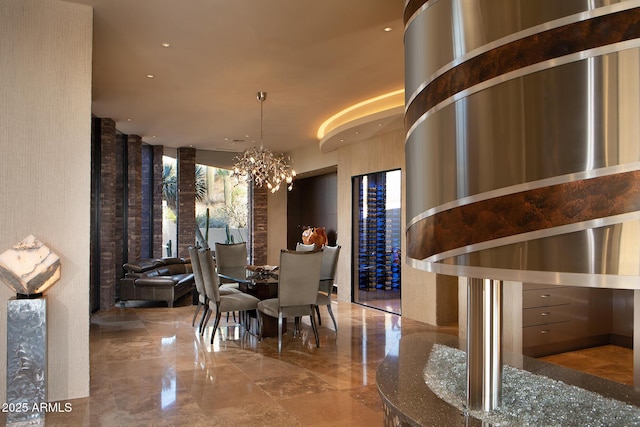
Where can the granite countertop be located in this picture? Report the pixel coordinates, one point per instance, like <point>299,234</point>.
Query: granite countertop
<point>410,402</point>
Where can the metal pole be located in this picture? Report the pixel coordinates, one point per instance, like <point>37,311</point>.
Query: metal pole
<point>492,371</point>
<point>484,356</point>
<point>474,344</point>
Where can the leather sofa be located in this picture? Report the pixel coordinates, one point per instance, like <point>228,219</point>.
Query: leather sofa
<point>157,279</point>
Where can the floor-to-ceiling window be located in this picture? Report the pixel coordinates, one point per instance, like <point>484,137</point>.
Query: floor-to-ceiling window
<point>376,243</point>
<point>169,207</point>
<point>221,206</point>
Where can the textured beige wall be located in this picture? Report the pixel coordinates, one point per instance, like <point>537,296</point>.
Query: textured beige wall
<point>380,154</point>
<point>45,138</point>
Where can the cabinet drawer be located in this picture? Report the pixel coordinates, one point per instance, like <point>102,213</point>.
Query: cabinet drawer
<point>551,296</point>
<point>545,315</point>
<point>547,334</point>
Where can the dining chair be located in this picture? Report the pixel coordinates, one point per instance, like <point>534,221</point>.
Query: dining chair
<point>231,255</point>
<point>328,270</point>
<point>299,277</point>
<point>219,303</point>
<point>301,247</point>
<point>202,295</point>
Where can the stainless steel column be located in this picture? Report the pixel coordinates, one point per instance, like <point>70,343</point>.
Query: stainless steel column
<point>474,344</point>
<point>26,359</point>
<point>484,356</point>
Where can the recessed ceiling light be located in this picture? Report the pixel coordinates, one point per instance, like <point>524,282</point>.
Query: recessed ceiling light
<point>128,120</point>
<point>387,29</point>
<point>166,45</point>
<point>150,76</point>
<point>357,133</point>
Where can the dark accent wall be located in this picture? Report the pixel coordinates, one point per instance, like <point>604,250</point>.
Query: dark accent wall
<point>117,208</point>
<point>257,220</point>
<point>313,202</point>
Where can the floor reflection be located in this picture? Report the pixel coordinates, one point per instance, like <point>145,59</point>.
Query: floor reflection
<point>150,366</point>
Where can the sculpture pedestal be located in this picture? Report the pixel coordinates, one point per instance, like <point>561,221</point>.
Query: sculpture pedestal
<point>26,359</point>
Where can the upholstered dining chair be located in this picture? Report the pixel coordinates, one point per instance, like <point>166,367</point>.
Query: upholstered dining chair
<point>203,301</point>
<point>299,277</point>
<point>328,270</point>
<point>202,295</point>
<point>218,303</point>
<point>301,247</point>
<point>231,255</point>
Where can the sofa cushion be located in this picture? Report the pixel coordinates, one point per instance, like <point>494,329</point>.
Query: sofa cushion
<point>172,260</point>
<point>175,279</point>
<point>142,265</point>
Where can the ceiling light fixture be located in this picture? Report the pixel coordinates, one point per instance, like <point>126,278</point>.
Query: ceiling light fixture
<point>265,168</point>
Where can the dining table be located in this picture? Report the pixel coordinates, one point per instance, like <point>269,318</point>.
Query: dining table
<point>261,283</point>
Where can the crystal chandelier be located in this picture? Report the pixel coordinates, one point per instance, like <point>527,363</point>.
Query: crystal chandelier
<point>262,166</point>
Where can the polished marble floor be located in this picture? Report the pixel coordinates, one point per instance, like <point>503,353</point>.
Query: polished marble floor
<point>150,368</point>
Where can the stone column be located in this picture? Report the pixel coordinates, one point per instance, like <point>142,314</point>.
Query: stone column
<point>186,199</point>
<point>106,232</point>
<point>133,211</point>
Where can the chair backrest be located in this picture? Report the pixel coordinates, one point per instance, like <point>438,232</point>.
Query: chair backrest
<point>329,267</point>
<point>197,270</point>
<point>299,277</point>
<point>301,247</point>
<point>209,274</point>
<point>330,256</point>
<point>231,255</point>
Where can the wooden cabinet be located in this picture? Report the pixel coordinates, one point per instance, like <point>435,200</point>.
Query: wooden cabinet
<point>564,318</point>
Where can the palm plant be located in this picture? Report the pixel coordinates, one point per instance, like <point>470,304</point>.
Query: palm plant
<point>170,185</point>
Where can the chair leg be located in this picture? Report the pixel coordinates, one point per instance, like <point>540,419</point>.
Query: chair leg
<point>206,320</point>
<point>215,325</point>
<point>315,329</point>
<point>195,315</point>
<point>318,313</point>
<point>296,326</point>
<point>204,313</point>
<point>280,332</point>
<point>259,325</point>
<point>335,324</point>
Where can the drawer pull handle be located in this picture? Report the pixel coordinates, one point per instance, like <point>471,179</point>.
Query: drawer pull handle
<point>545,295</point>
<point>546,313</point>
<point>545,331</point>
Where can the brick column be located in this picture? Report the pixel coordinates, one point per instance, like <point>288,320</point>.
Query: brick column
<point>158,151</point>
<point>119,201</point>
<point>146,200</point>
<point>258,224</point>
<point>106,233</point>
<point>186,199</point>
<point>134,197</point>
